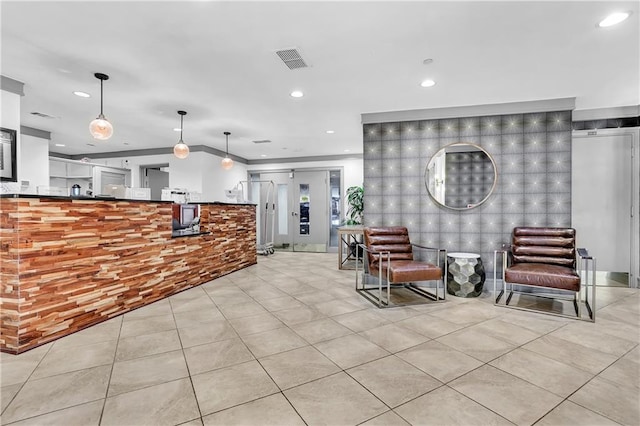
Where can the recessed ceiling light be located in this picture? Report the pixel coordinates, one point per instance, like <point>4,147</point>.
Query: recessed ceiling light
<point>613,19</point>
<point>263,155</point>
<point>428,83</point>
<point>60,144</point>
<point>297,94</point>
<point>347,150</point>
<point>330,132</point>
<point>82,94</point>
<point>176,129</point>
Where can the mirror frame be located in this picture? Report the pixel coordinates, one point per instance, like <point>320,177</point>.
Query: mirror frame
<point>479,203</point>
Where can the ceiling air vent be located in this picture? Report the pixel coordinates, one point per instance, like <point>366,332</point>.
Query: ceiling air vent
<point>263,141</point>
<point>291,58</point>
<point>42,115</point>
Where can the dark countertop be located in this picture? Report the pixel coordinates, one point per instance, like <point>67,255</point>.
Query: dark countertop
<point>178,233</point>
<point>60,197</point>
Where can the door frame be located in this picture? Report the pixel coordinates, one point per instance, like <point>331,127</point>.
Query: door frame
<point>251,172</point>
<point>634,134</point>
<point>144,167</point>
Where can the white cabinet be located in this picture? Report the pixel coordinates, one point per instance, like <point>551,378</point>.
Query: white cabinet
<point>90,176</point>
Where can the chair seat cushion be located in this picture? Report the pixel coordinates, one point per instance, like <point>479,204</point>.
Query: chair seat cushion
<point>543,275</point>
<point>403,271</point>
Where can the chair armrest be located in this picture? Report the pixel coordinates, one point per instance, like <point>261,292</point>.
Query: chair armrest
<point>427,248</point>
<point>584,254</point>
<point>368,250</point>
<point>380,254</point>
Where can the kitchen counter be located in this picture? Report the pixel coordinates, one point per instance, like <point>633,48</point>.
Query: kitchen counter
<point>69,263</point>
<point>103,198</point>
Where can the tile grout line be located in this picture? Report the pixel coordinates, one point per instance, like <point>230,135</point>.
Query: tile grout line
<point>115,353</point>
<point>27,379</point>
<point>184,357</point>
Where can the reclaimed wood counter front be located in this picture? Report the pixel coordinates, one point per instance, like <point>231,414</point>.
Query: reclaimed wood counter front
<point>66,264</point>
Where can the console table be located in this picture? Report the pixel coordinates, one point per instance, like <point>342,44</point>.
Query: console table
<point>348,234</point>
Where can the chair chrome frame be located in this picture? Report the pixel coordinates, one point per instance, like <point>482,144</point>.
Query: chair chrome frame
<point>582,267</point>
<point>385,256</point>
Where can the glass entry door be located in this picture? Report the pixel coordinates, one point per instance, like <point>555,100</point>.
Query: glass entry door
<point>301,221</point>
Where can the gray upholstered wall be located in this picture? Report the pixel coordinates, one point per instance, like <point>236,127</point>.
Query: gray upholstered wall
<point>532,153</point>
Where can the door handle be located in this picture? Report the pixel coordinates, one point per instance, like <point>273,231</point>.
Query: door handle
<point>294,214</point>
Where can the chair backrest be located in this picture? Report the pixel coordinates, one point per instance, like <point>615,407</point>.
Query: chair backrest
<point>555,246</point>
<point>394,239</point>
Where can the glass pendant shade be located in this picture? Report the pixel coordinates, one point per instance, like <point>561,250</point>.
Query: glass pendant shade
<point>181,150</point>
<point>100,128</point>
<point>227,163</point>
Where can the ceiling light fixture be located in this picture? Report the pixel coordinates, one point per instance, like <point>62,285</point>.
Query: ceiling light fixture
<point>100,128</point>
<point>181,150</point>
<point>227,162</point>
<point>297,94</point>
<point>330,132</point>
<point>82,94</point>
<point>613,19</point>
<point>59,144</point>
<point>176,129</point>
<point>428,83</point>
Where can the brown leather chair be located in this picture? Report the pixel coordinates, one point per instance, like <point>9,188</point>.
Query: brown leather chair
<point>388,256</point>
<point>545,258</point>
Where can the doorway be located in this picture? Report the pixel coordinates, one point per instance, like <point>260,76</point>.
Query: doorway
<point>156,178</point>
<point>603,195</point>
<point>304,207</point>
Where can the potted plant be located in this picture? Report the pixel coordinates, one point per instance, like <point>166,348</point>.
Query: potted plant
<point>355,200</point>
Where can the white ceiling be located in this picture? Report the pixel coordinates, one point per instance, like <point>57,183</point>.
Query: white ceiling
<point>217,61</point>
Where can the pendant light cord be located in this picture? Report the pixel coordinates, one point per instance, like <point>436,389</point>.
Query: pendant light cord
<point>101,96</point>
<point>227,136</point>
<point>181,126</point>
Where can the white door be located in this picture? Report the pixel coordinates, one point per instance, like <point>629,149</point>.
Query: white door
<point>602,198</point>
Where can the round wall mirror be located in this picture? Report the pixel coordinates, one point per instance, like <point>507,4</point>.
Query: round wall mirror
<point>461,176</point>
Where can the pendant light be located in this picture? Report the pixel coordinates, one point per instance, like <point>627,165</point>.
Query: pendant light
<point>227,162</point>
<point>100,128</point>
<point>181,150</point>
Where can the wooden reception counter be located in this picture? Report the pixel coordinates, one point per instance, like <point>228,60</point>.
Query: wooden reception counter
<point>68,263</point>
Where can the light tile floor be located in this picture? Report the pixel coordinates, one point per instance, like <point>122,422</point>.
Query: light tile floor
<point>288,341</point>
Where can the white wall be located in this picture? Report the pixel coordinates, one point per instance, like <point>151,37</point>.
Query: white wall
<point>353,168</point>
<point>200,172</point>
<point>215,179</point>
<point>33,166</point>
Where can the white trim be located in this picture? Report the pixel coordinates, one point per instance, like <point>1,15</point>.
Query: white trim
<point>10,85</point>
<point>605,113</point>
<point>560,104</point>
